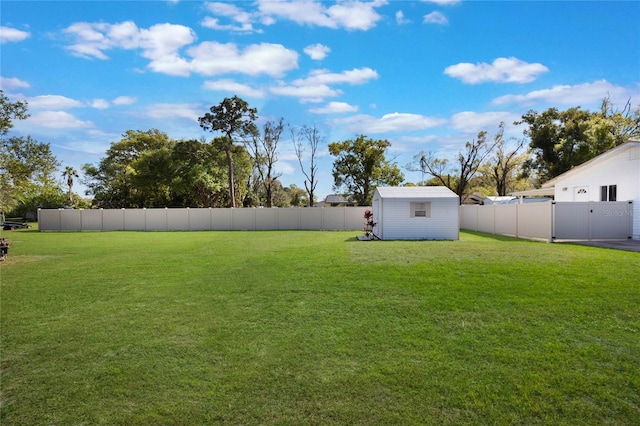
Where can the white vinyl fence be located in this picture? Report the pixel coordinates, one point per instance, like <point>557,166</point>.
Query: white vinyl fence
<point>207,219</point>
<point>552,221</point>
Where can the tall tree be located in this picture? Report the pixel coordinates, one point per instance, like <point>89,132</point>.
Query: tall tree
<point>468,162</point>
<point>561,140</point>
<point>558,139</point>
<point>307,137</point>
<point>198,178</point>
<point>114,182</point>
<point>610,127</point>
<point>10,111</point>
<point>505,162</point>
<point>360,166</point>
<point>69,173</point>
<point>264,150</point>
<point>297,196</point>
<point>152,177</point>
<point>233,118</point>
<point>27,170</point>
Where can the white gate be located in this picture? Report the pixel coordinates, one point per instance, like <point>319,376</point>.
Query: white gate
<point>592,220</point>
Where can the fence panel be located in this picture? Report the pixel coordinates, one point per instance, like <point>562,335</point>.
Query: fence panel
<point>611,220</point>
<point>354,217</point>
<point>91,220</point>
<point>49,220</point>
<point>134,219</point>
<point>267,219</point>
<point>549,221</point>
<point>218,219</point>
<point>113,220</point>
<point>199,219</point>
<point>222,219</point>
<point>469,217</point>
<point>486,219</point>
<point>289,218</point>
<point>593,220</point>
<point>155,219</point>
<point>70,220</point>
<point>177,219</point>
<point>571,221</point>
<point>244,219</point>
<point>535,221</point>
<point>333,219</point>
<point>506,219</point>
<point>311,219</point>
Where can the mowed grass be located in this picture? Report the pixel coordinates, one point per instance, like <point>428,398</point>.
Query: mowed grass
<point>316,328</point>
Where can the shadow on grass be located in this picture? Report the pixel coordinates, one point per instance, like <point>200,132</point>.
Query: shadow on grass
<point>463,235</point>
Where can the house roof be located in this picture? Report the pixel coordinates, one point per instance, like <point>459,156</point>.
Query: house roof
<point>594,161</point>
<point>335,199</point>
<point>494,199</point>
<point>416,192</point>
<point>545,191</point>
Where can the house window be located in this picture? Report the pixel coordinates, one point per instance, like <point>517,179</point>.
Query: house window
<point>609,193</point>
<point>422,209</point>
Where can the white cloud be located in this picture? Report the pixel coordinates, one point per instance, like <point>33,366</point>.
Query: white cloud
<point>400,19</point>
<point>395,122</point>
<point>581,94</point>
<point>99,103</point>
<point>162,43</point>
<point>285,168</point>
<point>53,102</point>
<point>350,15</point>
<point>502,70</point>
<point>12,83</point>
<point>435,18</point>
<point>317,86</point>
<point>417,140</point>
<point>8,35</point>
<point>234,87</point>
<point>307,92</point>
<point>90,39</point>
<point>58,120</point>
<point>317,52</point>
<point>474,122</point>
<point>214,24</point>
<point>124,100</point>
<point>443,2</point>
<point>164,110</point>
<point>159,43</point>
<point>353,77</point>
<point>213,58</point>
<point>334,108</point>
<point>243,20</point>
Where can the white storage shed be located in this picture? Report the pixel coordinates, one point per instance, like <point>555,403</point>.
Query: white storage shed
<point>416,213</point>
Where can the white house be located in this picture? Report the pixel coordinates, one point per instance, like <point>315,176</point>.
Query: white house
<point>611,176</point>
<point>416,213</point>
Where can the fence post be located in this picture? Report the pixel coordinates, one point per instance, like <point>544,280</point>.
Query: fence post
<point>517,220</point>
<point>630,234</point>
<point>553,221</point>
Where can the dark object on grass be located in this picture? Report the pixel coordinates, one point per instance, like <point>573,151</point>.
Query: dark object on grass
<point>10,226</point>
<point>4,248</point>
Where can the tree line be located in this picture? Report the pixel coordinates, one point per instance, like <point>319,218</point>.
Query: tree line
<point>237,167</point>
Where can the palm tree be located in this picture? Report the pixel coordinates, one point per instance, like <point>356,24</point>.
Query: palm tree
<point>69,173</point>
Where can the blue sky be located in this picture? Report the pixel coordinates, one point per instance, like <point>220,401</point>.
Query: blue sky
<point>426,75</point>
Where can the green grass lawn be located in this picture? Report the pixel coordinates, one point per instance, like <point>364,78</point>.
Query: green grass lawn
<point>301,328</point>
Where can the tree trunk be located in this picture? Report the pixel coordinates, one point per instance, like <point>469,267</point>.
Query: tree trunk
<point>232,189</point>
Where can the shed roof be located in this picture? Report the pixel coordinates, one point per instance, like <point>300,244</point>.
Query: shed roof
<point>416,192</point>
